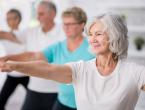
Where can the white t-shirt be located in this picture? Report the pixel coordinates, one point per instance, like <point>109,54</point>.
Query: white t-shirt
<point>117,91</point>
<point>2,50</point>
<point>13,48</point>
<point>36,40</point>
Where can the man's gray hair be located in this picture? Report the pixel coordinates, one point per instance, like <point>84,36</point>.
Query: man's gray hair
<point>116,28</point>
<point>48,4</point>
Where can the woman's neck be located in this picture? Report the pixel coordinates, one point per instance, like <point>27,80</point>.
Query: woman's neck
<point>74,43</point>
<point>106,64</point>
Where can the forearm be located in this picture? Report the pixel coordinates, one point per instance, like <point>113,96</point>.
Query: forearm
<point>38,68</point>
<point>8,36</point>
<point>3,35</point>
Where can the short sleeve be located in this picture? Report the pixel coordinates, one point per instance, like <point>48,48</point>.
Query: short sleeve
<point>139,75</point>
<point>49,52</point>
<point>77,70</point>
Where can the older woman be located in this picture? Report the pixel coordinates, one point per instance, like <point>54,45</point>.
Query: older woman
<point>108,82</point>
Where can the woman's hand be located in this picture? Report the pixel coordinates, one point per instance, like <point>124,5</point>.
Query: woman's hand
<point>6,66</point>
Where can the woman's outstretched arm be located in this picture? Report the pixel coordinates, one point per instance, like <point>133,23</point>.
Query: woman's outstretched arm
<point>8,36</point>
<point>60,73</point>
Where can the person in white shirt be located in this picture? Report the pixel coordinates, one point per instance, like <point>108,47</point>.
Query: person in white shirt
<point>41,93</point>
<point>70,49</point>
<point>11,46</point>
<point>108,82</point>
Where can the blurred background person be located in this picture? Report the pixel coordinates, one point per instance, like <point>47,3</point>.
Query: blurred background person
<point>13,19</point>
<point>11,46</point>
<point>41,93</point>
<point>74,48</point>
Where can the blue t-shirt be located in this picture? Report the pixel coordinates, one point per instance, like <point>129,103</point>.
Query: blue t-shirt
<point>59,54</point>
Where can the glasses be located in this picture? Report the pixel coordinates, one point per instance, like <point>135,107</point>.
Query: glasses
<point>70,24</point>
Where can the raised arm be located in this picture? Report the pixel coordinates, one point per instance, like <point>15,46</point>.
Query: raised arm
<point>26,56</point>
<point>8,36</point>
<point>60,73</point>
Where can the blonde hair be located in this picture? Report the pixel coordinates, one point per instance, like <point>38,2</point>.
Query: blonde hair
<point>77,13</point>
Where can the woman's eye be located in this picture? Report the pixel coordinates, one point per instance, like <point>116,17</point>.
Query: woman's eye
<point>97,34</point>
<point>90,34</point>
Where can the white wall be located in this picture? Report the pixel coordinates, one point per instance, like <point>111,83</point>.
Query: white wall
<point>24,6</point>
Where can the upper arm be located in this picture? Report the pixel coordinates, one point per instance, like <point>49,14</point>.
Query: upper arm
<point>60,73</point>
<point>69,73</point>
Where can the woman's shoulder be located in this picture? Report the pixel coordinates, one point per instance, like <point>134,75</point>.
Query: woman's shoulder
<point>86,64</point>
<point>131,65</point>
<point>83,62</point>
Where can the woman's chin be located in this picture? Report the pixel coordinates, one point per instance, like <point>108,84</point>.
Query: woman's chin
<point>97,52</point>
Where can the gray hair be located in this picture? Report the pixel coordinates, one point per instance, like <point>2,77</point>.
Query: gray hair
<point>116,28</point>
<point>49,5</point>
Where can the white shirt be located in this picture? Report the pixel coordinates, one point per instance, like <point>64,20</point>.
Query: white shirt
<point>117,91</point>
<point>2,50</point>
<point>36,40</point>
<point>13,48</point>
